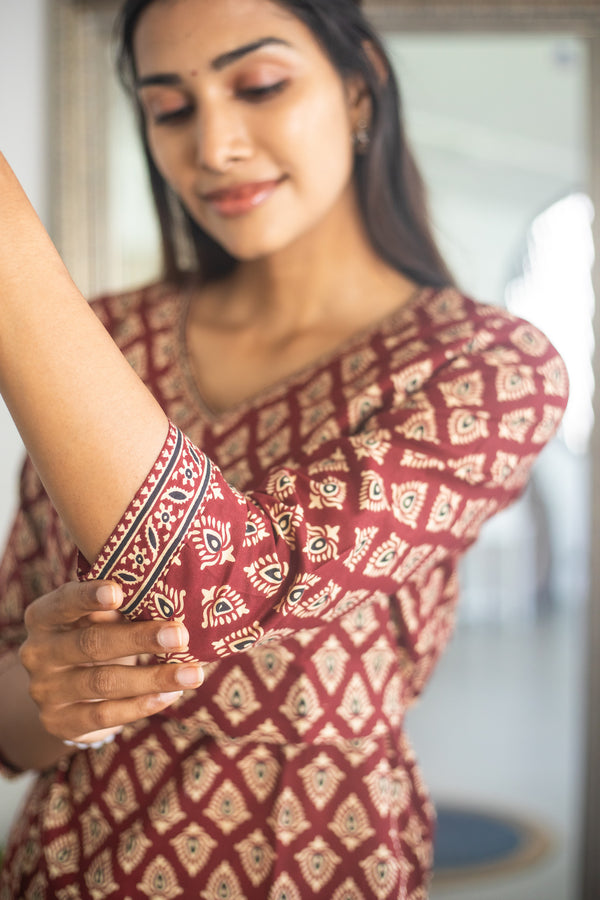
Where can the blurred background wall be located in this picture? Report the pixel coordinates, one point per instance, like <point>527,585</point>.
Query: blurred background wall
<point>24,140</point>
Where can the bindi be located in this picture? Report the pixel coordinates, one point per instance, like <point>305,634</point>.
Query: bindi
<point>194,72</point>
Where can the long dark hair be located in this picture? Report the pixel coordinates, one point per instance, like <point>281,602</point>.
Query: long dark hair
<point>390,188</point>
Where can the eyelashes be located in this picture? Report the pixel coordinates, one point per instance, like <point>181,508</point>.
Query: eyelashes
<point>262,92</point>
<point>257,94</point>
<point>175,115</point>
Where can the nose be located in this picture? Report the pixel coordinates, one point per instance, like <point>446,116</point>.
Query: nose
<point>222,138</point>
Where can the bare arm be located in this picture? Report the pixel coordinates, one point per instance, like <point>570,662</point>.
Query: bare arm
<point>65,382</point>
<point>24,742</point>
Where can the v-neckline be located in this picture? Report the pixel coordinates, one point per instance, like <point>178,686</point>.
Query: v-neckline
<point>270,393</point>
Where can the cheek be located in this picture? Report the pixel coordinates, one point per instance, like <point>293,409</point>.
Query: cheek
<point>319,134</point>
<point>166,155</point>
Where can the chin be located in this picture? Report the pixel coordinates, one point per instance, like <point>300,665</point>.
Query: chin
<point>256,248</point>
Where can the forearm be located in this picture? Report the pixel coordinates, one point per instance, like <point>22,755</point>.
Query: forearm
<point>24,743</point>
<point>92,428</point>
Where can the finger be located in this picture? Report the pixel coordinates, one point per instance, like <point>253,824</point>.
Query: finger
<point>100,642</point>
<point>81,719</point>
<point>115,682</point>
<point>70,602</point>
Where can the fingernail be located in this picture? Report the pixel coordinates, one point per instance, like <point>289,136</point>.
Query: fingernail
<point>170,697</point>
<point>190,676</point>
<point>173,637</point>
<point>109,596</point>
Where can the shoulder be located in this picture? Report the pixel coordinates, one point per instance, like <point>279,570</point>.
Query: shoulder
<point>457,319</point>
<point>460,351</point>
<point>448,325</point>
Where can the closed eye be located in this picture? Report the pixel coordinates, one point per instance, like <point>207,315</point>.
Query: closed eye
<point>173,116</point>
<point>262,92</point>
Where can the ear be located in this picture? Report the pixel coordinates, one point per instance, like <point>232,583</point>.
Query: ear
<point>359,96</point>
<point>359,99</point>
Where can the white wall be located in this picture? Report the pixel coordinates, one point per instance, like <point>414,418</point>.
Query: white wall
<point>24,142</point>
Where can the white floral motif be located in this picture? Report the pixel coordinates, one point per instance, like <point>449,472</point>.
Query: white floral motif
<point>321,779</point>
<point>221,605</point>
<point>444,510</point>
<point>351,823</point>
<point>168,601</point>
<point>467,390</point>
<point>385,557</point>
<point>330,662</point>
<point>514,382</point>
<point>318,862</point>
<point>318,602</point>
<point>288,819</point>
<point>267,574</point>
<point>503,467</point>
<point>282,484</point>
<point>240,640</point>
<point>294,596</point>
<point>361,407</point>
<point>302,706</point>
<point>411,379</point>
<point>139,557</point>
<point>466,426</point>
<point>322,543</point>
<point>286,520</point>
<point>408,500</point>
<point>356,707</point>
<point>165,517</point>
<point>373,444</point>
<point>556,380</point>
<point>421,426</point>
<point>469,468</point>
<point>529,340</point>
<point>256,530</point>
<point>187,473</point>
<point>236,696</point>
<point>212,542</point>
<point>364,539</point>
<point>372,492</point>
<point>329,493</point>
<point>515,426</point>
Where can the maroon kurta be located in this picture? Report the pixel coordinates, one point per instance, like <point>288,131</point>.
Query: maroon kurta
<point>311,547</point>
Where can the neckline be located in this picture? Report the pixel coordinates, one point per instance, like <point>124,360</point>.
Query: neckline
<point>272,392</point>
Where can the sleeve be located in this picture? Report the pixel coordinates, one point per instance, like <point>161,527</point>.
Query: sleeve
<point>39,557</point>
<point>384,510</point>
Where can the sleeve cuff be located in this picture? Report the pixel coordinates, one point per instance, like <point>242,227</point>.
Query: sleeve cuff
<point>150,533</point>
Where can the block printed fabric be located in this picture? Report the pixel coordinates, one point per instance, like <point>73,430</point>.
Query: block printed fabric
<point>309,539</point>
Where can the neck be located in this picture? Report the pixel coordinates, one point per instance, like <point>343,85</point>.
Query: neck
<point>330,274</point>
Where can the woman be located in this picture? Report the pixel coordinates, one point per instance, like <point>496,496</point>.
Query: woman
<point>329,422</point>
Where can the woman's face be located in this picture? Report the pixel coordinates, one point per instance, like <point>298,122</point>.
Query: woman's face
<point>247,120</point>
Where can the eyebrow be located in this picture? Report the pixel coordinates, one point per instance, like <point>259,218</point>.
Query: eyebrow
<point>217,64</point>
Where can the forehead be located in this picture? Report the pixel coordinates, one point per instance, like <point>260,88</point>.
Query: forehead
<point>178,29</point>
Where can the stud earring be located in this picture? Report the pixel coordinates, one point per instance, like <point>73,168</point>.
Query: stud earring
<point>361,137</point>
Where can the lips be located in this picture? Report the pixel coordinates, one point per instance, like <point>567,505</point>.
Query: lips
<point>240,199</point>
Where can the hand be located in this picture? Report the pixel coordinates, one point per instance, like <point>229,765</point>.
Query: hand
<point>81,656</point>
